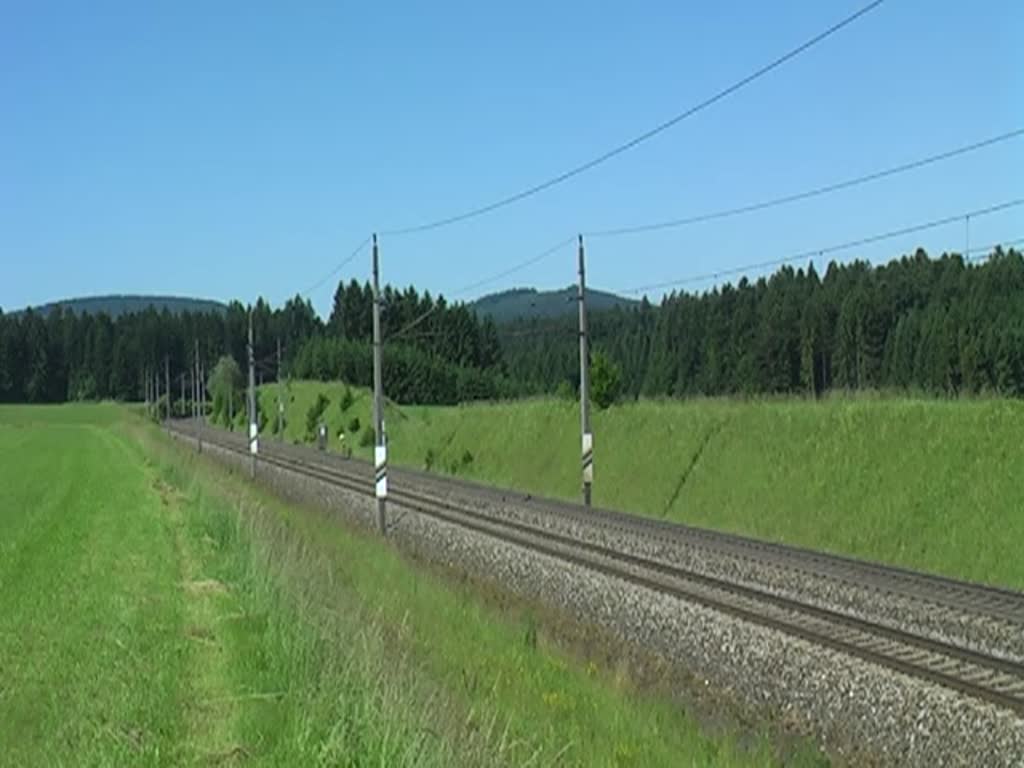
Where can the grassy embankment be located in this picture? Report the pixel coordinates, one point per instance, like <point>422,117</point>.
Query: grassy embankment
<point>156,609</point>
<point>927,484</point>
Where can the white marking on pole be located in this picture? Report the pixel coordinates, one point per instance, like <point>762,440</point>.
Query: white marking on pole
<point>588,457</point>
<point>380,455</point>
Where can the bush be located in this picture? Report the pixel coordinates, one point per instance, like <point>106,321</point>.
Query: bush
<point>467,458</point>
<point>354,425</point>
<point>314,413</point>
<point>279,423</point>
<point>565,391</point>
<point>368,437</point>
<point>346,400</point>
<point>605,380</point>
<point>227,388</point>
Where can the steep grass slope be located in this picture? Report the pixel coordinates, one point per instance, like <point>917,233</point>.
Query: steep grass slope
<point>926,484</point>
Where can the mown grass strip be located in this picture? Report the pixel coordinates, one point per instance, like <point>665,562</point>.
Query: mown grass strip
<point>284,683</point>
<point>92,655</point>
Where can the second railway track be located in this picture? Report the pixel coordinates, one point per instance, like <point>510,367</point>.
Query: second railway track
<point>980,600</point>
<point>984,676</point>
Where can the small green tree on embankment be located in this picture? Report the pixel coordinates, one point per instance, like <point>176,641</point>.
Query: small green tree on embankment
<point>226,385</point>
<point>605,380</point>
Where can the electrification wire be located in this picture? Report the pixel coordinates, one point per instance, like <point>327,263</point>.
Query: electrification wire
<point>735,211</point>
<point>811,253</point>
<point>986,252</point>
<point>815,192</point>
<point>344,262</point>
<point>516,267</point>
<point>502,334</point>
<point>649,134</point>
<point>480,283</point>
<point>724,213</point>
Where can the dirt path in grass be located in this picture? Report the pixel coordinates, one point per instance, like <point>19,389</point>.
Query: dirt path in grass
<point>211,707</point>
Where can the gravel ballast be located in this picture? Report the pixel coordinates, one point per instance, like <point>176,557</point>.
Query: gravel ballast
<point>858,711</point>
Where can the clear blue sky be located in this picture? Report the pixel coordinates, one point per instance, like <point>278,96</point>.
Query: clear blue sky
<point>232,149</point>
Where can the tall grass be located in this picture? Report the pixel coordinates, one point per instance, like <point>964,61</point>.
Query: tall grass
<point>923,483</point>
<point>427,672</point>
<point>318,684</point>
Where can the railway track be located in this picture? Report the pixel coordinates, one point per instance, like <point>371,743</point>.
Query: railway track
<point>984,676</point>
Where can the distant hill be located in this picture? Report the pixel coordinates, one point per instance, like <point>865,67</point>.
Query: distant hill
<point>121,305</point>
<point>529,302</point>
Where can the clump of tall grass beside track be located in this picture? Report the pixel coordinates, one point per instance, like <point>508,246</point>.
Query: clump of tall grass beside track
<point>923,483</point>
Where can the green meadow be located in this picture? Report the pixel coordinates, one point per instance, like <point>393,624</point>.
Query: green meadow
<point>927,484</point>
<point>156,609</point>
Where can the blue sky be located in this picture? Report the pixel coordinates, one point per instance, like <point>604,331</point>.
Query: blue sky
<point>231,149</point>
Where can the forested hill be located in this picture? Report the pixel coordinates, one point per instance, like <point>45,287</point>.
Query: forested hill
<point>941,326</point>
<point>117,305</point>
<point>521,303</point>
<point>944,326</point>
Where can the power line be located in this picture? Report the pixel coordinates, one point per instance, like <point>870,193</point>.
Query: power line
<point>810,254</point>
<point>516,267</point>
<point>986,251</point>
<point>815,192</point>
<point>731,212</point>
<point>337,269</point>
<point>565,327</point>
<point>720,214</point>
<point>568,332</point>
<point>649,134</point>
<point>480,283</point>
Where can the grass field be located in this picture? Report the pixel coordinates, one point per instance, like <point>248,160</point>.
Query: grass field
<point>927,484</point>
<point>158,610</point>
<point>93,650</point>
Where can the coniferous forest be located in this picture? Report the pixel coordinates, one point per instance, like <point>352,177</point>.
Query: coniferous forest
<point>940,326</point>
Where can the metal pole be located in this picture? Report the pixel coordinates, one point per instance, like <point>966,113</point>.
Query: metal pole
<point>967,238</point>
<point>280,396</point>
<point>253,426</point>
<point>167,387</point>
<point>587,435</point>
<point>200,398</point>
<point>380,453</point>
<point>202,402</point>
<point>195,391</point>
<point>193,379</point>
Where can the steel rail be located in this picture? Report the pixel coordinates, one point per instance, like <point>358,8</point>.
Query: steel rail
<point>982,676</point>
<point>980,600</point>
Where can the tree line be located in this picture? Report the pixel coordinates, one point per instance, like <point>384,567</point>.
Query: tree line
<point>448,356</point>
<point>943,326</point>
